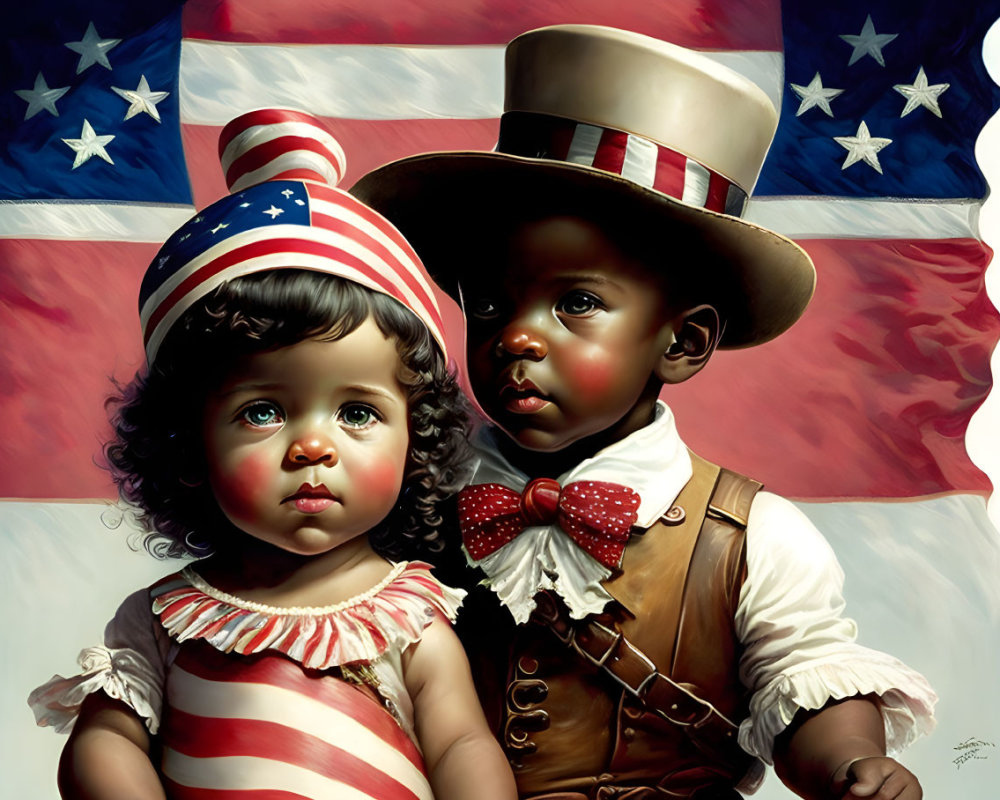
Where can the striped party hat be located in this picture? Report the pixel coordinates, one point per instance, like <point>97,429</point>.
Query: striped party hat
<point>283,212</point>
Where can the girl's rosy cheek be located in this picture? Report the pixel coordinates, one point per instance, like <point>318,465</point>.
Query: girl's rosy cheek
<point>239,484</point>
<point>380,476</point>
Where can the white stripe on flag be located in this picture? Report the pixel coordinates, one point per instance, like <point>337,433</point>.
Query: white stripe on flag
<point>640,160</point>
<point>97,222</point>
<point>219,81</point>
<point>583,145</point>
<point>842,218</point>
<point>696,179</point>
<point>256,701</point>
<point>796,217</point>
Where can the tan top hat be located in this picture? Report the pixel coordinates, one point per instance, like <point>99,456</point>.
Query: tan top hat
<point>628,131</point>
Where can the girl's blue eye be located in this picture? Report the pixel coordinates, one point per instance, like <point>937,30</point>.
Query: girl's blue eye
<point>262,414</point>
<point>358,416</point>
<point>578,303</point>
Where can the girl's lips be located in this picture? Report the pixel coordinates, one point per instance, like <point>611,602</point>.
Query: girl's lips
<point>311,499</point>
<point>313,505</point>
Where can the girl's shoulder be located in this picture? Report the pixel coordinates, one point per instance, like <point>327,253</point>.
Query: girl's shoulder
<point>391,615</point>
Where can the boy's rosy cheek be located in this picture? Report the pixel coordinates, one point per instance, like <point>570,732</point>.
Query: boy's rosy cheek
<point>592,377</point>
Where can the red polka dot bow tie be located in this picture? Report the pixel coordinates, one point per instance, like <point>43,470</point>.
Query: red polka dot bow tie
<point>596,515</point>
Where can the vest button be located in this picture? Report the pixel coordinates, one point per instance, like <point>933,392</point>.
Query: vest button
<point>628,734</point>
<point>527,665</point>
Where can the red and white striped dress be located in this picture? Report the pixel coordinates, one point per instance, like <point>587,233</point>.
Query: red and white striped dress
<point>252,702</point>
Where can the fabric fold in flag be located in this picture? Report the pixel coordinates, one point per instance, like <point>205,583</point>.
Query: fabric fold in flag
<point>859,413</point>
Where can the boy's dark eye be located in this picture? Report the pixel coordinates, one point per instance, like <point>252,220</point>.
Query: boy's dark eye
<point>485,308</point>
<point>578,303</point>
<point>262,414</point>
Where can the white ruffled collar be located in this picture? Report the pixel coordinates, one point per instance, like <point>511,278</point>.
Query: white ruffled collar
<point>653,461</point>
<point>392,614</point>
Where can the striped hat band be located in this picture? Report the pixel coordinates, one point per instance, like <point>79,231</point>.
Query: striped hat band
<point>284,213</point>
<point>637,159</point>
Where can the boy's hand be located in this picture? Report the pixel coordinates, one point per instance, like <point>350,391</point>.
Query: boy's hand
<point>878,778</point>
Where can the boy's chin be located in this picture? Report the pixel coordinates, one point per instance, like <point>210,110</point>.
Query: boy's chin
<point>539,440</point>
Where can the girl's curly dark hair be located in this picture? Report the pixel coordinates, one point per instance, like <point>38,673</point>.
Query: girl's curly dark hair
<point>156,457</point>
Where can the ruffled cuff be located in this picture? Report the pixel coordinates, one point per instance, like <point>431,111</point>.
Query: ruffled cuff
<point>906,700</point>
<point>123,674</point>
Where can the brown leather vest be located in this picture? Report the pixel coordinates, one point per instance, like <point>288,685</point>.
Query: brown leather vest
<point>566,725</point>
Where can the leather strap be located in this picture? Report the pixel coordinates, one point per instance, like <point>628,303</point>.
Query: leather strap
<point>600,642</point>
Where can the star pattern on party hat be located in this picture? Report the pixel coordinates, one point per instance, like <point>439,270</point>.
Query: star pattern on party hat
<point>285,213</point>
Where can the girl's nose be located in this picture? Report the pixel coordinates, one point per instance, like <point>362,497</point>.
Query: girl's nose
<point>522,340</point>
<point>313,448</point>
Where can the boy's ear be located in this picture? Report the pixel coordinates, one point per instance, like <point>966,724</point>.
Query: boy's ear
<point>696,333</point>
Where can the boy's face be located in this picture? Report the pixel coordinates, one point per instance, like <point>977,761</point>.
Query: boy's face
<point>306,445</point>
<point>564,337</point>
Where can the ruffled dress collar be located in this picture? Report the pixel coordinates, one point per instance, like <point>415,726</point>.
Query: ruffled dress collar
<point>390,616</point>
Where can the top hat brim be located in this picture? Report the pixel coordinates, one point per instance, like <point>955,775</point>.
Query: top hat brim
<point>448,203</point>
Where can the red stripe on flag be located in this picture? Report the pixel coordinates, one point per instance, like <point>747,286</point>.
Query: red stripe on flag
<point>871,392</point>
<point>721,24</point>
<point>206,737</point>
<point>69,323</point>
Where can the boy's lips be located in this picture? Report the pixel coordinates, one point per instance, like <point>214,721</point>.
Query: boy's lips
<point>311,499</point>
<point>522,397</point>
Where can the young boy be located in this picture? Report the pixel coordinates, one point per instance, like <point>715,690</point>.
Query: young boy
<point>673,626</point>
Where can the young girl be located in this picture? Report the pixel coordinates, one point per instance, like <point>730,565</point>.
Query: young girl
<point>296,420</point>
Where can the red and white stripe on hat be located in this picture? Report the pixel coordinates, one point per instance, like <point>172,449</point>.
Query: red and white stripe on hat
<point>284,214</point>
<point>637,159</point>
<point>278,144</point>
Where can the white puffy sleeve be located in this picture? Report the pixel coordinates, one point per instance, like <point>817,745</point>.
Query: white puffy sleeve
<point>130,667</point>
<point>799,648</point>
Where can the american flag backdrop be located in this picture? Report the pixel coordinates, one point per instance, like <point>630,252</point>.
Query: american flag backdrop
<point>110,113</point>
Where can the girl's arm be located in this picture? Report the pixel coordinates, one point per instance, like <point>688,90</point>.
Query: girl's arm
<point>463,759</point>
<point>107,755</point>
<point>839,752</point>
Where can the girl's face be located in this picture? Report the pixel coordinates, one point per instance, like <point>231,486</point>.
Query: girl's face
<point>306,445</point>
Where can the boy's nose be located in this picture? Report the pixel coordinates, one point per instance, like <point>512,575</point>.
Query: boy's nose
<point>522,341</point>
<point>313,448</point>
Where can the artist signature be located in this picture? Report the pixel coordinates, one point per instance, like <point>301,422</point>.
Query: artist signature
<point>972,750</point>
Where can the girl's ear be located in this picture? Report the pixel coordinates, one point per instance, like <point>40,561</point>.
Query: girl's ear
<point>696,333</point>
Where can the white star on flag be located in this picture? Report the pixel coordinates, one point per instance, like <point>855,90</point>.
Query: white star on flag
<point>868,43</point>
<point>92,49</point>
<point>287,193</point>
<point>220,226</point>
<point>41,97</point>
<point>919,93</point>
<point>862,147</point>
<point>815,95</point>
<point>88,145</point>
<point>142,99</point>
<point>274,212</point>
